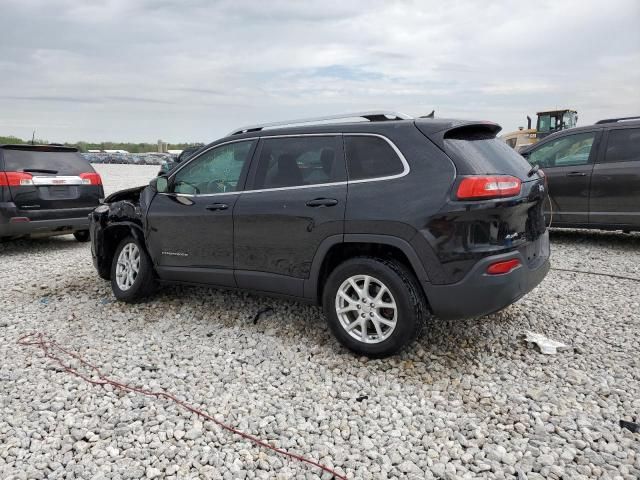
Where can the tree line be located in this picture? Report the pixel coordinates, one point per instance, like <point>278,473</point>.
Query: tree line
<point>86,146</point>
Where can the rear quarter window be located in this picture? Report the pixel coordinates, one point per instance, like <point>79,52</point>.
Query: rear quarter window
<point>371,157</point>
<point>54,162</point>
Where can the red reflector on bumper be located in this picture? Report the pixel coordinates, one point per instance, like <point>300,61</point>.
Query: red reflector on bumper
<point>19,220</point>
<point>503,267</point>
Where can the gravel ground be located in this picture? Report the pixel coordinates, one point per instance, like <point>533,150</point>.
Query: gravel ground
<point>469,400</point>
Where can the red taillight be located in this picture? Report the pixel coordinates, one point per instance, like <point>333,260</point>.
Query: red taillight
<point>488,186</point>
<point>91,178</point>
<point>503,267</point>
<point>15,179</point>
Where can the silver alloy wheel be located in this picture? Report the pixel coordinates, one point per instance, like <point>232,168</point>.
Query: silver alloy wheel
<point>128,266</point>
<point>366,309</point>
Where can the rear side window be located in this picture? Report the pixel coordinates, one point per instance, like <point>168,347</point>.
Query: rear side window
<point>55,163</point>
<point>299,161</point>
<point>570,150</point>
<point>623,145</point>
<point>370,157</point>
<point>477,151</point>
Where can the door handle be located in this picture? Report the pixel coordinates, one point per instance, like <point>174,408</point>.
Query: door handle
<point>576,174</point>
<point>217,206</point>
<point>322,202</point>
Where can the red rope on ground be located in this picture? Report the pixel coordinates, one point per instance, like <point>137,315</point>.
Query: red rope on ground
<point>38,339</point>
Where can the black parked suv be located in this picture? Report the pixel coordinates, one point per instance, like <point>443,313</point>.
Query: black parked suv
<point>46,190</point>
<point>593,174</point>
<point>379,222</point>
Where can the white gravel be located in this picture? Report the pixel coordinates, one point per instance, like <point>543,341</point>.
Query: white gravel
<point>469,400</point>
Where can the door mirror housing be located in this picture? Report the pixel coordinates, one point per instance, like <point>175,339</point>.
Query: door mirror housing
<point>160,184</point>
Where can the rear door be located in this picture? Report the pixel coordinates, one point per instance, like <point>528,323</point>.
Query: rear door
<point>615,184</point>
<point>568,163</point>
<point>51,182</point>
<point>296,198</point>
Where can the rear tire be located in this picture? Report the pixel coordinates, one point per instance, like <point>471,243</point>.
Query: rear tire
<point>82,235</point>
<point>132,276</point>
<point>374,307</point>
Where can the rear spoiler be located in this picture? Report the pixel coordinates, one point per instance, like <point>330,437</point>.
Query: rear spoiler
<point>39,148</point>
<point>456,129</point>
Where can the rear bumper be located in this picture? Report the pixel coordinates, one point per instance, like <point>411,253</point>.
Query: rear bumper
<point>44,227</point>
<point>479,293</point>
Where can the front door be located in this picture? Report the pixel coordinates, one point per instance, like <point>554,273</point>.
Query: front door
<point>190,228</point>
<point>615,185</point>
<point>568,162</point>
<point>295,198</point>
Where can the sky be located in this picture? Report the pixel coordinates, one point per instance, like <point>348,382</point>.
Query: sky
<point>192,70</point>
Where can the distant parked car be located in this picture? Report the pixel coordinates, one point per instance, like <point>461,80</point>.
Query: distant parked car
<point>376,221</point>
<point>46,190</point>
<point>187,153</point>
<point>593,174</point>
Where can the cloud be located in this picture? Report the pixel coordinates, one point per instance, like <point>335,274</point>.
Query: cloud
<point>193,69</point>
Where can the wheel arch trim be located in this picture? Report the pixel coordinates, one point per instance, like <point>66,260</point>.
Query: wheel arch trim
<point>311,284</point>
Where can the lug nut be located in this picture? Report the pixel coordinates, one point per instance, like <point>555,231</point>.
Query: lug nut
<point>363,315</point>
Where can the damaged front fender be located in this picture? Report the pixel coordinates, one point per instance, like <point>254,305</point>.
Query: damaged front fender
<point>123,213</point>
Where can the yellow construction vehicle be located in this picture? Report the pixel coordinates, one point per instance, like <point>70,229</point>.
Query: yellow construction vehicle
<point>548,122</point>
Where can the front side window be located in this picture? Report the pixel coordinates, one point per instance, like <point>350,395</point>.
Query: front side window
<point>623,145</point>
<point>564,152</point>
<point>216,171</point>
<point>370,157</point>
<point>299,161</point>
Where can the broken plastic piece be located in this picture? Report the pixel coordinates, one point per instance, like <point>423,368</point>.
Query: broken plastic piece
<point>546,345</point>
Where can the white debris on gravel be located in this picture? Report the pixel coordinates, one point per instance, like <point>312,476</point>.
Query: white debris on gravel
<point>545,345</point>
<point>468,400</point>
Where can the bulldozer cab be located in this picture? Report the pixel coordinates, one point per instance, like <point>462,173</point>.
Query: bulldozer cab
<point>554,120</point>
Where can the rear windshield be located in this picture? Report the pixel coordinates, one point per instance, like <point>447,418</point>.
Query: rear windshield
<point>43,162</point>
<point>479,153</point>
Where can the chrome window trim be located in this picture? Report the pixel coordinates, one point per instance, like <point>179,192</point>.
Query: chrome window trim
<point>405,164</point>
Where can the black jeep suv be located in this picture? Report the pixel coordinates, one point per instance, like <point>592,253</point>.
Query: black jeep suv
<point>593,174</point>
<point>379,222</point>
<point>46,190</point>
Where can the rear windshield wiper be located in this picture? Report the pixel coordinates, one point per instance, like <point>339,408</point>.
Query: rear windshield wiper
<point>39,170</point>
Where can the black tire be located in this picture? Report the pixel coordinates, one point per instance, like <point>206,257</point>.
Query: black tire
<point>411,304</point>
<point>144,283</point>
<point>82,235</point>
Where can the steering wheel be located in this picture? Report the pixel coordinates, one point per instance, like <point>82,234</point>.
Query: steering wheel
<point>220,186</point>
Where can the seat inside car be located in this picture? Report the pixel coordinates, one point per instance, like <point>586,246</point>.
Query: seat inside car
<point>287,173</point>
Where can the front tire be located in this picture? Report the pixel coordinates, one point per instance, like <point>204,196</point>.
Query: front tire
<point>132,276</point>
<point>374,307</point>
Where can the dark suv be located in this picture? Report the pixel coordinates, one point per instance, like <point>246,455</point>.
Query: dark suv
<point>379,222</point>
<point>593,174</point>
<point>46,190</point>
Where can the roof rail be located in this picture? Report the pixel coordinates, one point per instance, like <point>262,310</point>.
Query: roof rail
<point>614,120</point>
<point>374,116</point>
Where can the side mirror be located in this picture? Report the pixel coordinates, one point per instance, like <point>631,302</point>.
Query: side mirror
<point>160,184</point>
